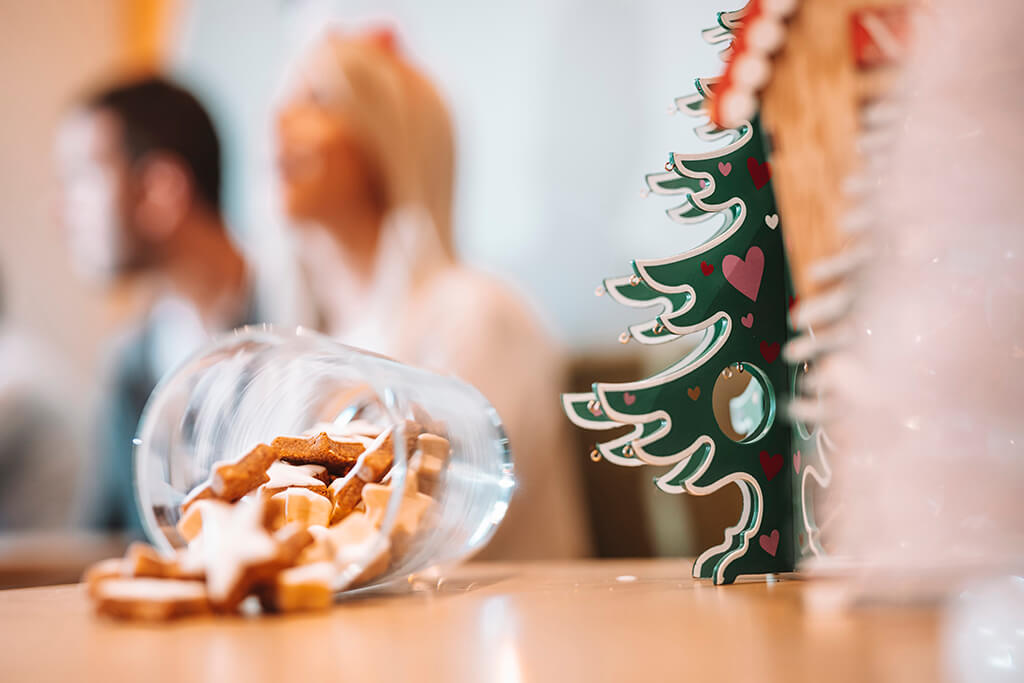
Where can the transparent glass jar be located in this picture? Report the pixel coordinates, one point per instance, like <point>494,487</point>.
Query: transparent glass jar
<point>256,384</point>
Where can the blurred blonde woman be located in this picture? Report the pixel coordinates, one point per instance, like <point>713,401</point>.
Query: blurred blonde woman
<point>366,163</point>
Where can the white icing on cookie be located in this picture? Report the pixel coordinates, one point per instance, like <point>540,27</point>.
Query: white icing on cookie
<point>282,475</point>
<point>321,573</point>
<point>356,430</point>
<point>151,589</point>
<point>233,540</point>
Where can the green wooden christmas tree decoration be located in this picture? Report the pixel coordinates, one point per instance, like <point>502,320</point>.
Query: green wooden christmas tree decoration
<point>732,293</point>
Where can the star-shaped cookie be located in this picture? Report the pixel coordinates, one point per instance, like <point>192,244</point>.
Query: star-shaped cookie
<point>237,551</point>
<point>411,510</point>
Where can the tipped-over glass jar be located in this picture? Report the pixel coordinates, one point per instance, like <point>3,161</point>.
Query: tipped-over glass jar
<point>324,407</point>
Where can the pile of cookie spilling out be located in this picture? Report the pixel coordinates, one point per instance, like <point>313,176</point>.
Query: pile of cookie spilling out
<point>292,523</point>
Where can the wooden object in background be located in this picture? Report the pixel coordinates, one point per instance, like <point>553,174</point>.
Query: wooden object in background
<point>811,109</point>
<point>614,496</point>
<point>624,508</point>
<point>146,30</point>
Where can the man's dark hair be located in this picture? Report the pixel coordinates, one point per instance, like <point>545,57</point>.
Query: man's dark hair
<point>159,116</point>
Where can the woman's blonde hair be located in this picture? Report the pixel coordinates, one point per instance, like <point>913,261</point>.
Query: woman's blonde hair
<point>400,117</point>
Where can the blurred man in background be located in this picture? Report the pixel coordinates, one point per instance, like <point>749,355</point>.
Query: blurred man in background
<point>141,170</point>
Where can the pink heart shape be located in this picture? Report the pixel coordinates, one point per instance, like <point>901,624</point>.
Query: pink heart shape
<point>703,184</point>
<point>725,167</point>
<point>770,542</point>
<point>629,398</point>
<point>745,275</point>
<point>796,462</point>
<point>747,320</point>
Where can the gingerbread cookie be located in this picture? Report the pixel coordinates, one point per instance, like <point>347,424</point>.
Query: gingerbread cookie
<point>307,587</point>
<point>377,459</point>
<point>151,599</point>
<point>143,560</point>
<point>432,453</point>
<point>238,552</point>
<point>303,506</point>
<point>191,522</point>
<point>360,550</point>
<point>233,479</point>
<point>284,475</point>
<point>320,449</point>
<point>191,560</point>
<point>320,549</point>
<point>112,568</point>
<point>411,431</point>
<point>411,510</point>
<point>259,526</point>
<point>414,504</point>
<point>375,565</point>
<point>201,492</point>
<point>346,492</point>
<point>292,540</point>
<point>273,513</point>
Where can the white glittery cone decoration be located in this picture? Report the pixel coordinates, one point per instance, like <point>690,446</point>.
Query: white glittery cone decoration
<point>930,395</point>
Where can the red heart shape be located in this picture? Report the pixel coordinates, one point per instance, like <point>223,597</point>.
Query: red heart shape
<point>771,464</point>
<point>759,173</point>
<point>747,320</point>
<point>706,268</point>
<point>770,351</point>
<point>629,398</point>
<point>770,542</point>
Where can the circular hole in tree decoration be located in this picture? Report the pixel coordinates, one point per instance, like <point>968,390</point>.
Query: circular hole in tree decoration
<point>743,402</point>
<point>799,389</point>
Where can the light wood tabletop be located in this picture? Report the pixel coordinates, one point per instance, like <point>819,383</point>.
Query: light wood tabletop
<point>604,620</point>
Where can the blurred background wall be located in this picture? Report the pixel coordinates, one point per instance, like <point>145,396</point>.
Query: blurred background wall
<point>50,51</point>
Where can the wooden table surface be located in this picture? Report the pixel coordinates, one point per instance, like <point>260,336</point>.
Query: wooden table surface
<point>611,620</point>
